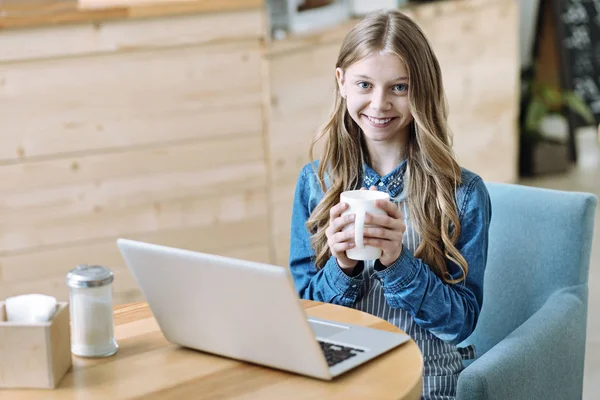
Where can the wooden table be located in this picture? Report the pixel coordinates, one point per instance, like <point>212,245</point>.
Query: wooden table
<point>148,367</point>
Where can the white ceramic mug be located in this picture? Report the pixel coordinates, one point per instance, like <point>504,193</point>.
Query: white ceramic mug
<point>361,202</point>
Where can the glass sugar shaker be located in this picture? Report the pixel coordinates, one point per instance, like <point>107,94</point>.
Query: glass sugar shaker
<point>91,309</point>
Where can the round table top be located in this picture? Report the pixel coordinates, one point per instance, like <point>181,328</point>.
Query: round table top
<point>148,366</point>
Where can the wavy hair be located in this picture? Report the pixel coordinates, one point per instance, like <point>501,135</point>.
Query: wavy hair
<point>432,172</point>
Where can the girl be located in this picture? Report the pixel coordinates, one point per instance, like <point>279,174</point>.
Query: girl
<point>388,131</point>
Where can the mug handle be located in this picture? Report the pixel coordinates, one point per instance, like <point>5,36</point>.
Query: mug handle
<point>359,229</point>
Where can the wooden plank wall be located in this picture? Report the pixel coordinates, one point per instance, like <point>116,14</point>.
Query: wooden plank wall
<point>148,129</point>
<point>476,43</point>
<point>187,131</point>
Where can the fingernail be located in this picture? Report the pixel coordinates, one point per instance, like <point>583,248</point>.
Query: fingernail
<point>352,217</point>
<point>350,245</point>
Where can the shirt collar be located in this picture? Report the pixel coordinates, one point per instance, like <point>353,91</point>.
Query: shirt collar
<point>392,183</point>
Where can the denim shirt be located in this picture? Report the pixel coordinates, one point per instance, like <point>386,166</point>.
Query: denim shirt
<point>448,311</point>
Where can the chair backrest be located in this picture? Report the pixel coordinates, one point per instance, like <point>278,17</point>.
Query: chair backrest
<point>540,242</point>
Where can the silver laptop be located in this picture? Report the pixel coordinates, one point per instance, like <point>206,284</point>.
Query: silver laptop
<point>247,311</point>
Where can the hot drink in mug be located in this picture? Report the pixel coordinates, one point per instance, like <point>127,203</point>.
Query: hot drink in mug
<point>361,202</point>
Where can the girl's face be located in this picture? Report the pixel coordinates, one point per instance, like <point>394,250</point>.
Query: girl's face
<point>376,91</point>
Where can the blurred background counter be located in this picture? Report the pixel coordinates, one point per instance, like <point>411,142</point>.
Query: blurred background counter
<point>185,124</point>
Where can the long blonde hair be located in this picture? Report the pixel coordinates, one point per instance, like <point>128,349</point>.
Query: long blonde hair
<point>432,173</point>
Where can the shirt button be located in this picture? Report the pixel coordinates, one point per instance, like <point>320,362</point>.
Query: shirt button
<point>380,183</point>
<point>353,286</point>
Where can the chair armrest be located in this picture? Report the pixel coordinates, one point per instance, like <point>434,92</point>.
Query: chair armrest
<point>541,359</point>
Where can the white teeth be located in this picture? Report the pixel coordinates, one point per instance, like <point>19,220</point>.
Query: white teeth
<point>379,121</point>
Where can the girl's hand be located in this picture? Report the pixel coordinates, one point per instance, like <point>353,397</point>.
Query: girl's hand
<point>339,241</point>
<point>385,231</point>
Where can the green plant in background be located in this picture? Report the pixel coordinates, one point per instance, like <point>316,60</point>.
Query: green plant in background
<point>545,100</point>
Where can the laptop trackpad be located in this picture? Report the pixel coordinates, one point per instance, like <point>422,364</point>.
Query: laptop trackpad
<point>324,329</point>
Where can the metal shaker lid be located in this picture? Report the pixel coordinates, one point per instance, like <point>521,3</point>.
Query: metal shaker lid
<point>85,276</point>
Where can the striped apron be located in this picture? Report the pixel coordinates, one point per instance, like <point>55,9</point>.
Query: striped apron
<point>442,360</point>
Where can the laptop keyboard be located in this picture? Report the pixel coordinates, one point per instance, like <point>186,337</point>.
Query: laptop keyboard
<point>335,353</point>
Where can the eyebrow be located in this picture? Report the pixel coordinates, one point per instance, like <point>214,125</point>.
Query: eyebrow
<point>402,78</point>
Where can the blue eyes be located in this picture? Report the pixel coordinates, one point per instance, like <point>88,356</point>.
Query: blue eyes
<point>400,88</point>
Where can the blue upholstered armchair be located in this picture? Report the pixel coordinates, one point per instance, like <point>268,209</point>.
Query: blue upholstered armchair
<point>530,338</point>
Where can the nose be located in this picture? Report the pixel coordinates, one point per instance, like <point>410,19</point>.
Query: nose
<point>380,101</point>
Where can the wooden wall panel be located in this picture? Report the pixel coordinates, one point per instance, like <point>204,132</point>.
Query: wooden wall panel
<point>121,36</point>
<point>191,131</point>
<point>131,99</point>
<point>23,231</point>
<point>45,270</point>
<point>299,107</point>
<point>147,129</point>
<point>481,80</point>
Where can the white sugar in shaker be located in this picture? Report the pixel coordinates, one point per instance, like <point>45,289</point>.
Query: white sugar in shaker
<point>91,309</point>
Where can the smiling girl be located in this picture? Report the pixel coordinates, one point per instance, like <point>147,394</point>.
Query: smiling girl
<point>388,131</point>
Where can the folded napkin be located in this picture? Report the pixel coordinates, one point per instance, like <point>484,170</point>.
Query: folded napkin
<point>30,308</point>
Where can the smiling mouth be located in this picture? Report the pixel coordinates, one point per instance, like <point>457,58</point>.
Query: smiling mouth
<point>380,122</point>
